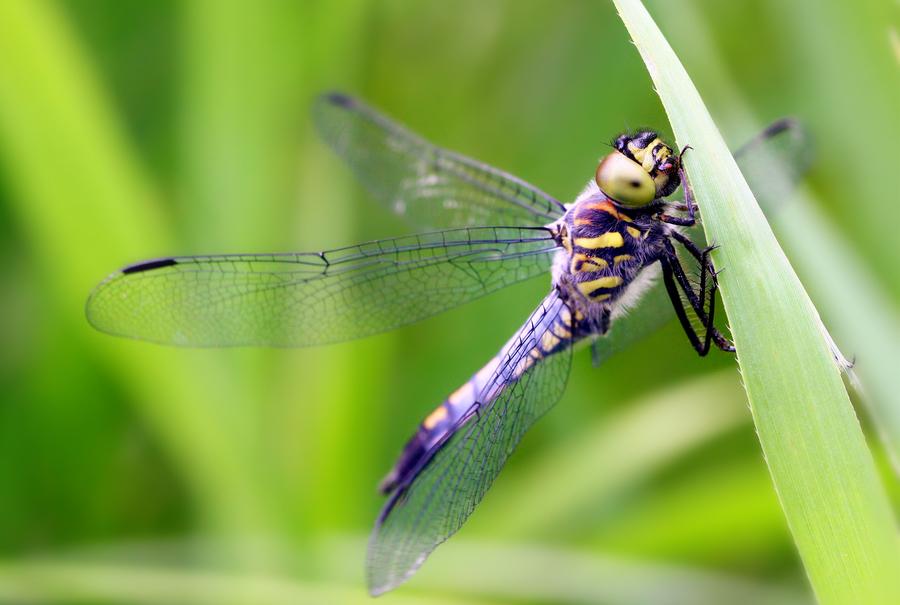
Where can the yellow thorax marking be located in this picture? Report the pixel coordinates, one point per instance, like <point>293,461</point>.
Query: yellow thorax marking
<point>613,239</point>
<point>621,259</point>
<point>603,206</point>
<point>635,233</point>
<point>583,262</point>
<point>611,281</point>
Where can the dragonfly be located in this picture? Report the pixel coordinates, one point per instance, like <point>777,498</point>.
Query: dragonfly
<point>485,229</point>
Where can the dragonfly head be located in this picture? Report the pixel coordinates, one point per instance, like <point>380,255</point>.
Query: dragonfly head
<point>641,169</point>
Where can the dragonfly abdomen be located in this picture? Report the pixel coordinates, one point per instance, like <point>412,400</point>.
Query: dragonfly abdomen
<point>558,332</point>
<point>437,425</point>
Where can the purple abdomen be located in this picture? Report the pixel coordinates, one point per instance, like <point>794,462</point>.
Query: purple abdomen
<point>437,426</point>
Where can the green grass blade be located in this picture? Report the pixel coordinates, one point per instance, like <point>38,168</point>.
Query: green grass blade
<point>821,468</point>
<point>820,250</point>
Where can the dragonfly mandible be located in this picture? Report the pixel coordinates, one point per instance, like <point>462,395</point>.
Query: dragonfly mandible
<point>601,251</point>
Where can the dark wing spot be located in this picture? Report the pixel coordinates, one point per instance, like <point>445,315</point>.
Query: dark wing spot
<point>339,99</point>
<point>149,265</point>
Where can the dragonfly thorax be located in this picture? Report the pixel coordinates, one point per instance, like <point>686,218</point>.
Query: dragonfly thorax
<point>603,249</point>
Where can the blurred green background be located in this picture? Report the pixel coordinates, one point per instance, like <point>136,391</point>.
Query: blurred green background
<point>133,473</point>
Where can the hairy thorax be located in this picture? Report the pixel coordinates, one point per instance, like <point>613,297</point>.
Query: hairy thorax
<point>604,250</point>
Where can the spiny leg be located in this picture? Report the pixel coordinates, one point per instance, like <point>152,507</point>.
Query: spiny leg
<point>672,289</point>
<point>697,302</point>
<point>706,270</point>
<point>702,257</point>
<point>688,206</point>
<point>720,341</point>
<point>678,271</point>
<point>690,246</point>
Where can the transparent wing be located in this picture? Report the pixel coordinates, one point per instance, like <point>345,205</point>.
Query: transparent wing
<point>429,186</point>
<point>439,498</point>
<point>775,160</point>
<point>314,298</point>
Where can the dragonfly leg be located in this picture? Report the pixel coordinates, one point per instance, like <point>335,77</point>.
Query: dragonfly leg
<point>708,275</point>
<point>708,287</point>
<point>604,328</point>
<point>604,320</point>
<point>707,269</point>
<point>688,206</point>
<point>694,299</point>
<point>702,348</point>
<point>692,248</point>
<point>678,220</point>
<point>709,272</point>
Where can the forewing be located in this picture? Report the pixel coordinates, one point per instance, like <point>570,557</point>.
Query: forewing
<point>314,298</point>
<point>452,481</point>
<point>429,186</point>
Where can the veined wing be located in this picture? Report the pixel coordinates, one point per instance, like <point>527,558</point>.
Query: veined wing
<point>314,298</point>
<point>775,160</point>
<point>436,499</point>
<point>430,186</point>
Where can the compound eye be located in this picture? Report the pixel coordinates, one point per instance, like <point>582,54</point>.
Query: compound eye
<point>625,181</point>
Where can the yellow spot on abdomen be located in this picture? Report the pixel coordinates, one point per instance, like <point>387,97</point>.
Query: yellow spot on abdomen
<point>613,239</point>
<point>548,341</point>
<point>436,416</point>
<point>526,363</point>
<point>562,332</point>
